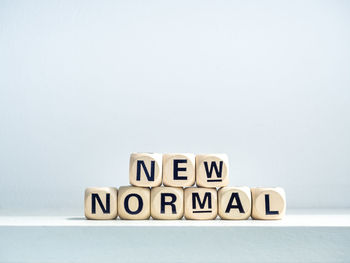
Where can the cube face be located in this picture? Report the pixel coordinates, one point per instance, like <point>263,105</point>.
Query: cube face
<point>268,203</point>
<point>200,203</point>
<point>167,203</point>
<point>145,169</point>
<point>134,203</point>
<point>179,169</point>
<point>212,170</point>
<point>100,203</point>
<point>234,203</point>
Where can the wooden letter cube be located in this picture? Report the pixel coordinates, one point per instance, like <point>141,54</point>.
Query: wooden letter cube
<point>167,203</point>
<point>145,169</point>
<point>100,203</point>
<point>134,202</point>
<point>212,170</point>
<point>200,203</point>
<point>179,170</point>
<point>268,203</point>
<point>234,203</point>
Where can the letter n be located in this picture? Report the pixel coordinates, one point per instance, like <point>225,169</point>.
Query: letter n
<point>105,210</point>
<point>150,176</point>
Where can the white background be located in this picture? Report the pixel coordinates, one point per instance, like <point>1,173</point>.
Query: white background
<point>83,84</point>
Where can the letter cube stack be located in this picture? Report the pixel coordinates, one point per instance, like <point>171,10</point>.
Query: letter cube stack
<point>178,197</point>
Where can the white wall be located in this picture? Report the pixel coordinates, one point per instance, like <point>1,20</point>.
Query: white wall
<point>83,84</point>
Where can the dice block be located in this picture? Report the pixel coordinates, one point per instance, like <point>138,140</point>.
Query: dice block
<point>212,170</point>
<point>268,203</point>
<point>200,203</point>
<point>167,203</point>
<point>179,169</point>
<point>234,203</point>
<point>100,203</point>
<point>145,169</point>
<point>134,202</point>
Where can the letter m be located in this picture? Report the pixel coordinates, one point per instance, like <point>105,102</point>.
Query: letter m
<point>196,199</point>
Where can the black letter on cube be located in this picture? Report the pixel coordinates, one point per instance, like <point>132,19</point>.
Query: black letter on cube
<point>126,204</point>
<point>163,203</point>
<point>105,210</point>
<point>150,177</point>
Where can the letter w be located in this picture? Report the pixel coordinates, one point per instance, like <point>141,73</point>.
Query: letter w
<point>213,166</point>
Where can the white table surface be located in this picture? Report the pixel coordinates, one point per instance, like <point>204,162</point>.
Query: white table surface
<point>302,236</point>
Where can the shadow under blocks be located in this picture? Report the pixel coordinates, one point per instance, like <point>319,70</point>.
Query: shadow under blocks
<point>194,187</point>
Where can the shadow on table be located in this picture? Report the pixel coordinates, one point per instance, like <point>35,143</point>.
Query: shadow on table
<point>76,218</point>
